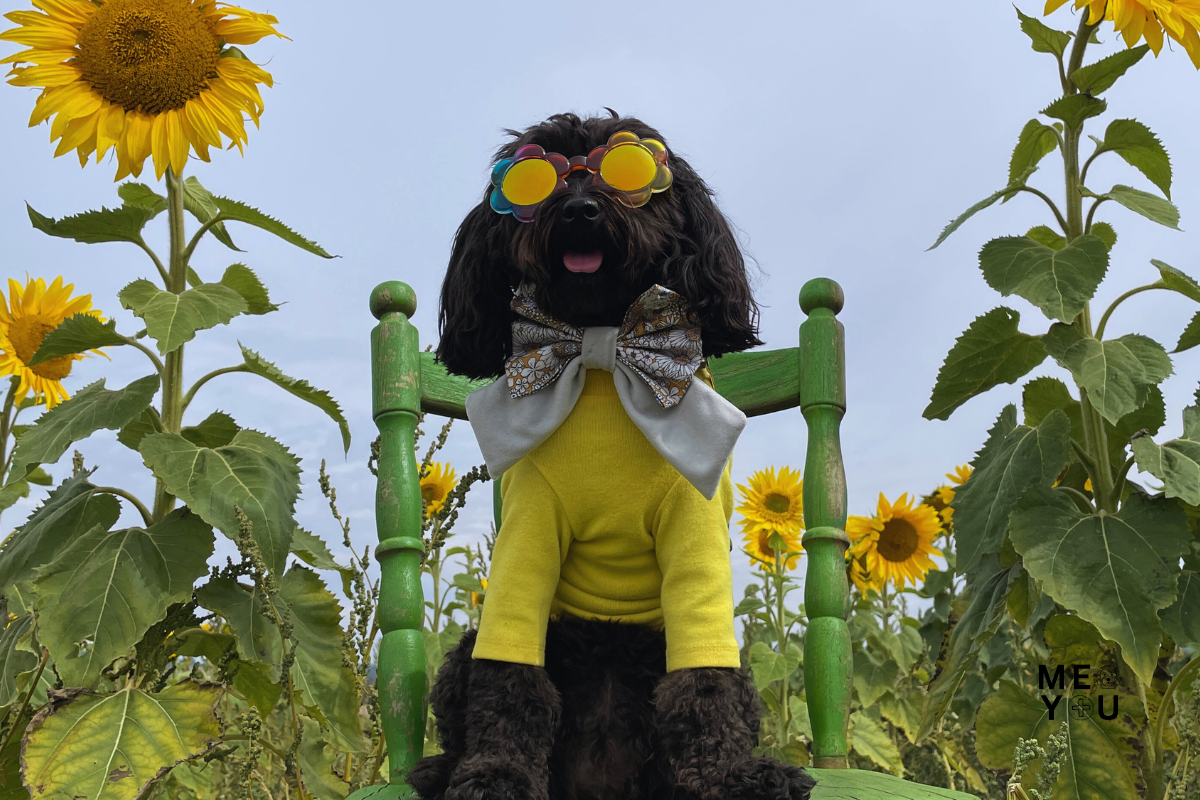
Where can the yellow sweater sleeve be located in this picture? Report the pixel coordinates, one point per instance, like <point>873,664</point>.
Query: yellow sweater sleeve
<point>525,568</point>
<point>692,545</point>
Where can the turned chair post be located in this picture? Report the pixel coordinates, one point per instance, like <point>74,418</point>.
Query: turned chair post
<point>400,672</point>
<point>828,665</point>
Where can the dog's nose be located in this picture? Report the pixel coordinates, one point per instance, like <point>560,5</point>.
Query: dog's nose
<point>581,209</point>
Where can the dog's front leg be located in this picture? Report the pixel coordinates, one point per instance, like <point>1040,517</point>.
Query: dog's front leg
<point>706,721</point>
<point>512,720</point>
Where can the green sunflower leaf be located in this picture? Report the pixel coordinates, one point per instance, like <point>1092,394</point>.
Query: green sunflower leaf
<point>93,408</point>
<point>242,280</point>
<point>1177,281</point>
<point>1117,373</point>
<point>1114,570</point>
<point>253,472</point>
<point>240,212</point>
<point>985,599</point>
<point>109,587</point>
<point>133,432</point>
<point>312,550</point>
<point>1026,456</point>
<point>1045,39</point>
<point>13,660</point>
<point>1075,109</point>
<point>990,352</point>
<point>1037,140</point>
<point>246,609</point>
<point>1043,395</point>
<point>217,430</point>
<point>122,224</point>
<point>199,202</point>
<point>1181,619</point>
<point>1190,336</point>
<point>869,738</point>
<point>1148,419</point>
<point>316,759</point>
<point>1141,149</point>
<point>77,334</point>
<point>1044,234</point>
<point>1012,188</point>
<point>873,677</point>
<point>1072,640</point>
<point>1099,757</point>
<point>1149,206</point>
<point>320,672</point>
<point>111,746</point>
<point>1105,233</point>
<point>71,510</point>
<point>1097,78</point>
<point>173,319</point>
<point>1059,282</point>
<point>302,389</point>
<point>142,196</point>
<point>1176,463</point>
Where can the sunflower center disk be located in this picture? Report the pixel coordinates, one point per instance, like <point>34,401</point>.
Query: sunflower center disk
<point>152,55</point>
<point>26,335</point>
<point>777,503</point>
<point>898,540</point>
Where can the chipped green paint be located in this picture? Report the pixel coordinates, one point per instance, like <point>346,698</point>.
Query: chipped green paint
<point>827,653</point>
<point>396,378</point>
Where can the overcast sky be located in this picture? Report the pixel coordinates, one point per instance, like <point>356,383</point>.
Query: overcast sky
<point>839,139</point>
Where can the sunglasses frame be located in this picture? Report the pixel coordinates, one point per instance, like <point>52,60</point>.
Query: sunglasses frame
<point>593,163</point>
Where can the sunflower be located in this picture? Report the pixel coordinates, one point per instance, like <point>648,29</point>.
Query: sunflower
<point>150,78</point>
<point>897,542</point>
<point>861,577</point>
<point>757,545</point>
<point>26,316</point>
<point>773,503</point>
<point>943,496</point>
<point>477,597</point>
<point>1146,19</point>
<point>436,484</point>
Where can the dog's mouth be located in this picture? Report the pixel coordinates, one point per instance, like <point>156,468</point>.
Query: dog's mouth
<point>583,261</point>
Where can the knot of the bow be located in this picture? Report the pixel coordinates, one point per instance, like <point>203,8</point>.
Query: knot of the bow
<point>658,340</point>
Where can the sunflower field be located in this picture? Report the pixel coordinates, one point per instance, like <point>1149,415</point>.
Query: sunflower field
<point>134,665</point>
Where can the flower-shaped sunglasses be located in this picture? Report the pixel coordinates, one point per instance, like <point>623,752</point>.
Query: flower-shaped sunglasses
<point>631,168</point>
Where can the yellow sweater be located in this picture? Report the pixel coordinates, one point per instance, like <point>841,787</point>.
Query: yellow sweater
<point>596,524</point>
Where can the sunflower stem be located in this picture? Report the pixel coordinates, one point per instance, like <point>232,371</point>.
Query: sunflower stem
<point>1094,433</point>
<point>6,425</point>
<point>172,385</point>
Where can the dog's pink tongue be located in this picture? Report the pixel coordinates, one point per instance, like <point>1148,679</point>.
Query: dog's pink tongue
<point>583,262</point>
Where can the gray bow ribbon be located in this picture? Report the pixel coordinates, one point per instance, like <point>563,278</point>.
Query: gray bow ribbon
<point>652,357</point>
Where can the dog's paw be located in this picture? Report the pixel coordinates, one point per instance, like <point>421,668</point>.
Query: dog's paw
<point>431,775</point>
<point>478,779</point>
<point>767,779</point>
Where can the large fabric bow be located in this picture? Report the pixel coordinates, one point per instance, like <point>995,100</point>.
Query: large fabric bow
<point>653,357</point>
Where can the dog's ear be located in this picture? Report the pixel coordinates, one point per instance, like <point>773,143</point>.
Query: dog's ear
<point>475,317</point>
<point>707,268</point>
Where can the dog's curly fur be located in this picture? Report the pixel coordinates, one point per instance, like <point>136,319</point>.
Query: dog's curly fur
<point>679,240</point>
<point>603,720</point>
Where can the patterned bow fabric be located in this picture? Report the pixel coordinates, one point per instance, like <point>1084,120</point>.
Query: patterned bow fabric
<point>659,340</point>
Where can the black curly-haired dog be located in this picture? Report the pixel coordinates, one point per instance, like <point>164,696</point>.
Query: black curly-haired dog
<point>603,720</point>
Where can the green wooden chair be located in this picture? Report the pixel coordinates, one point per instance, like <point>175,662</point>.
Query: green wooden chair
<point>406,382</point>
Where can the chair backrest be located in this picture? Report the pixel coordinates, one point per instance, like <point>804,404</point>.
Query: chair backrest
<point>407,382</point>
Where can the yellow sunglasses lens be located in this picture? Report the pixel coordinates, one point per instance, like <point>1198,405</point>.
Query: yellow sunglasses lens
<point>628,168</point>
<point>529,182</point>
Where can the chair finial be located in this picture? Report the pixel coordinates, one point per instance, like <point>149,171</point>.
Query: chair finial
<point>391,296</point>
<point>822,293</point>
